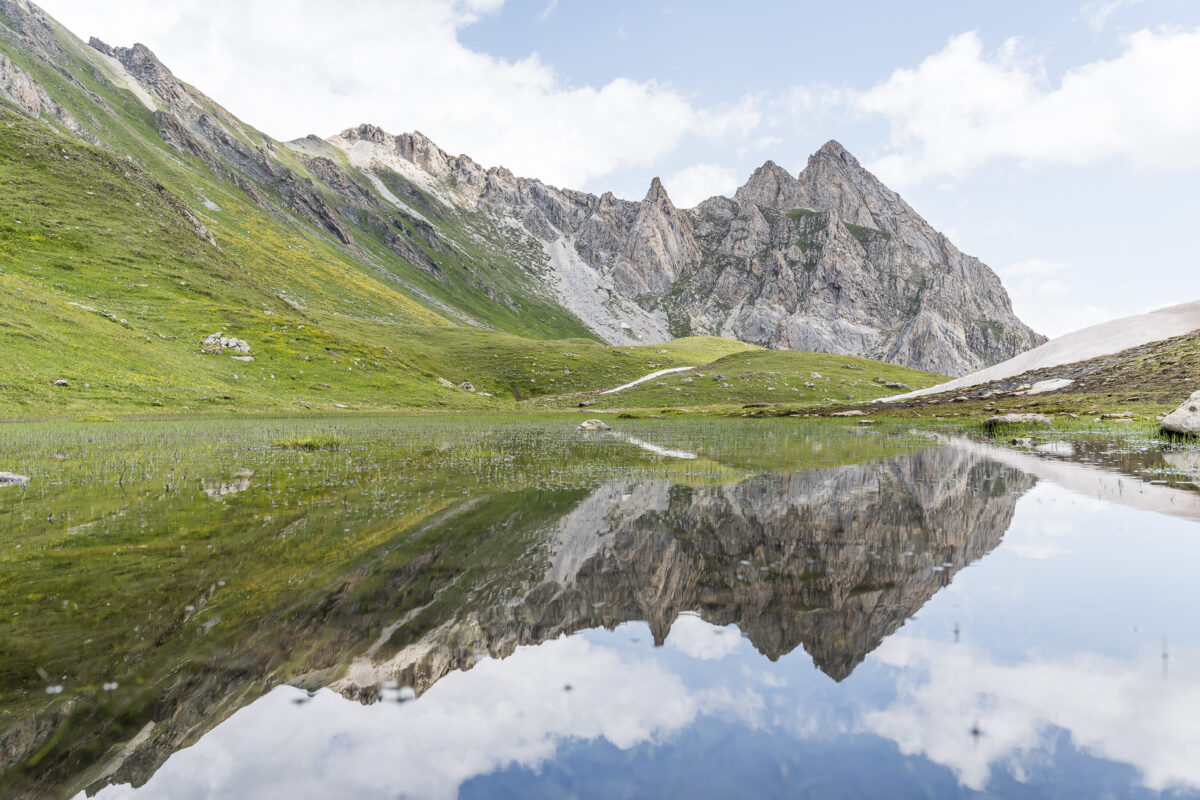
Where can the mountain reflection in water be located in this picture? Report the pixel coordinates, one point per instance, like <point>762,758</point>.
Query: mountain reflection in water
<point>832,560</point>
<point>644,638</point>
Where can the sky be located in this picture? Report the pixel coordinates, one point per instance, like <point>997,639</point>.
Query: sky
<point>1057,140</point>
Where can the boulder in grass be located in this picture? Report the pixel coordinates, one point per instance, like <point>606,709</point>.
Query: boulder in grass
<point>1185,420</point>
<point>991,423</point>
<point>219,342</point>
<point>849,414</point>
<point>12,479</point>
<point>593,425</point>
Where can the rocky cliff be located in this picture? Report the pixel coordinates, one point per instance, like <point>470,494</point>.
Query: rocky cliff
<point>829,260</point>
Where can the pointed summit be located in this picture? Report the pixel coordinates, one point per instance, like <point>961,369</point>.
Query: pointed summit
<point>657,194</point>
<point>143,65</point>
<point>834,180</point>
<point>366,132</point>
<point>770,185</point>
<point>833,150</point>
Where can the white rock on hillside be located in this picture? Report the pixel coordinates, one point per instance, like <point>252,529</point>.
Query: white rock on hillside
<point>219,342</point>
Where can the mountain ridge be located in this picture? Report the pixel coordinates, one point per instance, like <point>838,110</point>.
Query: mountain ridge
<point>398,224</point>
<point>644,260</point>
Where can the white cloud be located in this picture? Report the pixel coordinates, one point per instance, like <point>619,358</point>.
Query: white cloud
<point>692,185</point>
<point>294,67</point>
<point>501,713</point>
<point>1043,296</point>
<point>692,635</point>
<point>963,107</point>
<point>1116,710</point>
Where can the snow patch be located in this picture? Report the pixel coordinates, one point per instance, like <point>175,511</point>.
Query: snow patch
<point>1092,342</point>
<point>1045,387</point>
<point>649,377</point>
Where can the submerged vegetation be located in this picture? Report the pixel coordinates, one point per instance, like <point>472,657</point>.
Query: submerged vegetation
<point>156,556</point>
<point>144,566</point>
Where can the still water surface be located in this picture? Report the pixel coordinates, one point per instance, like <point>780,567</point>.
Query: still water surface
<point>479,610</point>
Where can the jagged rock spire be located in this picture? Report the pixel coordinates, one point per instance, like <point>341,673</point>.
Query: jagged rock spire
<point>658,194</point>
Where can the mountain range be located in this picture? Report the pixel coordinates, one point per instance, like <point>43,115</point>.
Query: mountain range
<point>150,206</point>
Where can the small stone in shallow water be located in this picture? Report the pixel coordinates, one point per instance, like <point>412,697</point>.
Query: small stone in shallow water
<point>1016,419</point>
<point>593,425</point>
<point>13,479</point>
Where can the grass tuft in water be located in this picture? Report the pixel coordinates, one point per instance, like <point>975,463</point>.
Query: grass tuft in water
<point>321,441</point>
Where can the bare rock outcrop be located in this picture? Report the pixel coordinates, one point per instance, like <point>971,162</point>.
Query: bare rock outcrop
<point>1185,420</point>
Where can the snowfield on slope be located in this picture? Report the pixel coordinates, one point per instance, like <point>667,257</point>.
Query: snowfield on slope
<point>1098,340</point>
<point>649,377</point>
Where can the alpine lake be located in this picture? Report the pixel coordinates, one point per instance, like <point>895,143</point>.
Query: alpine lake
<point>505,607</point>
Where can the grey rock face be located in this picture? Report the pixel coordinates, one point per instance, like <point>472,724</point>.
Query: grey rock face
<point>1184,420</point>
<point>18,86</point>
<point>831,260</point>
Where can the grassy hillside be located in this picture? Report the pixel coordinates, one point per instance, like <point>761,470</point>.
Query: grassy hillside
<point>1143,382</point>
<point>117,260</point>
<point>793,378</point>
<point>257,221</point>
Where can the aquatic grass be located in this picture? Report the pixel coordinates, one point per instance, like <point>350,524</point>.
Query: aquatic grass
<point>320,441</point>
<point>156,553</point>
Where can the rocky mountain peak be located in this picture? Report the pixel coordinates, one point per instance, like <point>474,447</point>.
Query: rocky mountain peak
<point>834,180</point>
<point>96,44</point>
<point>141,63</point>
<point>833,150</point>
<point>657,194</point>
<point>366,132</point>
<point>770,185</point>
<point>419,149</point>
